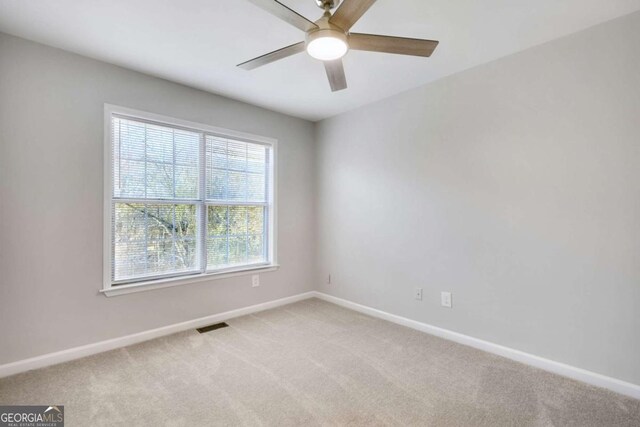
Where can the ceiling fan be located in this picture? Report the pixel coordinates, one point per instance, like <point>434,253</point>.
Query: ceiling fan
<point>328,39</point>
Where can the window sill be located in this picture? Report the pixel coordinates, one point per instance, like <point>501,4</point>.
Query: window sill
<point>176,281</point>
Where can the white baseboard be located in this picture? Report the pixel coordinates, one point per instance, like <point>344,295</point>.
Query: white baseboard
<point>99,347</point>
<point>579,374</point>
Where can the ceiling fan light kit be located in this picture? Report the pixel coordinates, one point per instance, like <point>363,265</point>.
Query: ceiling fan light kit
<point>327,44</point>
<point>328,39</point>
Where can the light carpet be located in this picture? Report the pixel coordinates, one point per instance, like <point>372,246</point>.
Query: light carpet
<point>312,363</point>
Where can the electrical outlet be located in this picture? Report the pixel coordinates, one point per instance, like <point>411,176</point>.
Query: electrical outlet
<point>329,279</point>
<point>445,299</point>
<point>419,294</point>
<point>255,280</point>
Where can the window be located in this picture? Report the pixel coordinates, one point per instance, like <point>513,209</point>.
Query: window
<point>185,200</point>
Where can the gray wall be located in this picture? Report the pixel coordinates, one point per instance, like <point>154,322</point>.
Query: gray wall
<point>515,185</point>
<point>51,154</point>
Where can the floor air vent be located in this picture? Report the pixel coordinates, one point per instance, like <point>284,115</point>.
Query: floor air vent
<point>212,327</point>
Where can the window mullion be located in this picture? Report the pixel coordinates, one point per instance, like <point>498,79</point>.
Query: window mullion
<point>119,156</point>
<point>227,240</point>
<point>266,219</point>
<point>265,232</point>
<point>174,236</point>
<point>145,162</point>
<point>246,234</point>
<point>202,206</point>
<point>146,238</point>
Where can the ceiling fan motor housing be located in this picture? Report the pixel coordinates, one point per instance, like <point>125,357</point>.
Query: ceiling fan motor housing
<point>331,4</point>
<point>326,29</point>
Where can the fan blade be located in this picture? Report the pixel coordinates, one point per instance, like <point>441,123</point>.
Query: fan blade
<point>335,73</point>
<point>349,12</point>
<point>389,44</point>
<point>276,8</point>
<point>273,56</point>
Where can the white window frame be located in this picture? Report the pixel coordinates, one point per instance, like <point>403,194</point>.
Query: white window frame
<point>109,287</point>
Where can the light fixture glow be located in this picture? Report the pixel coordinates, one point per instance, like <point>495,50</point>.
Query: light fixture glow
<point>327,48</point>
<point>327,44</point>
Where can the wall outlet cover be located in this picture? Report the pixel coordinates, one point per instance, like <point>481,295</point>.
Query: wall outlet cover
<point>445,299</point>
<point>255,280</point>
<point>418,294</point>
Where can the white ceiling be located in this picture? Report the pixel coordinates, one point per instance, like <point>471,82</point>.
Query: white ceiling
<point>199,42</point>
